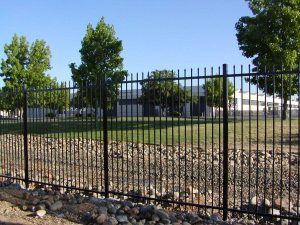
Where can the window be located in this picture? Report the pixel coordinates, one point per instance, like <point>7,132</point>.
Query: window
<point>245,101</point>
<point>262,103</point>
<point>253,102</point>
<point>128,101</point>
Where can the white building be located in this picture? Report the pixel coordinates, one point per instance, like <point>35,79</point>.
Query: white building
<point>262,104</point>
<point>130,104</point>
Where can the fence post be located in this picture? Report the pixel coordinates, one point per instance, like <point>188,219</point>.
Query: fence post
<point>105,136</point>
<point>225,142</point>
<point>25,135</point>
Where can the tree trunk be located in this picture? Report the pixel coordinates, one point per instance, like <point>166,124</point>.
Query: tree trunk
<point>285,108</point>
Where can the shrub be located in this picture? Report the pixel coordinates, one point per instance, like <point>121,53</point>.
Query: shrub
<point>175,114</point>
<point>90,115</point>
<point>78,115</point>
<point>51,115</point>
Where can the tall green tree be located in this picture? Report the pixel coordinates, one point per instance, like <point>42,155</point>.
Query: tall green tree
<point>271,37</point>
<point>58,99</point>
<point>24,64</point>
<point>162,89</point>
<point>3,100</point>
<point>100,59</point>
<point>214,92</point>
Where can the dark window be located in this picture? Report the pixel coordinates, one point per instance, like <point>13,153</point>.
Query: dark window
<point>245,101</point>
<point>128,101</point>
<point>262,103</point>
<point>253,102</point>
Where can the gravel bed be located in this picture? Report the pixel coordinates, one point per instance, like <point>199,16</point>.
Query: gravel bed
<point>259,180</point>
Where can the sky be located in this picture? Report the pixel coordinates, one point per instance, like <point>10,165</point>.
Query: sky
<point>156,34</point>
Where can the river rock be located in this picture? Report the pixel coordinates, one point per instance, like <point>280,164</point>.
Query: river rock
<point>101,218</point>
<point>41,206</point>
<point>285,204</point>
<point>134,211</point>
<point>110,221</point>
<point>102,210</point>
<point>155,218</point>
<point>216,217</point>
<point>111,208</point>
<point>266,202</point>
<point>165,221</point>
<point>122,218</point>
<point>147,209</point>
<point>162,214</point>
<point>254,201</point>
<point>56,206</point>
<point>40,213</point>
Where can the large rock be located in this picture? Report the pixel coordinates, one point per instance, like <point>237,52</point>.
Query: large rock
<point>134,211</point>
<point>56,206</point>
<point>162,214</point>
<point>254,201</point>
<point>274,212</point>
<point>216,217</point>
<point>147,209</point>
<point>110,221</point>
<point>41,206</point>
<point>266,202</point>
<point>101,218</point>
<point>111,208</point>
<point>40,213</point>
<point>102,210</point>
<point>122,218</point>
<point>284,203</point>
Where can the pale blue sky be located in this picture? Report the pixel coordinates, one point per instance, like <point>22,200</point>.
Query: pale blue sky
<point>156,34</point>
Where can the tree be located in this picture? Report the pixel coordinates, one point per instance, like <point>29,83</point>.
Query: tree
<point>161,89</point>
<point>100,60</point>
<point>58,99</point>
<point>24,64</point>
<point>3,100</point>
<point>214,92</point>
<point>272,38</point>
<point>9,99</point>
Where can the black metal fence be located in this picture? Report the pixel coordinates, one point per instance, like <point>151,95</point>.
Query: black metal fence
<point>163,139</point>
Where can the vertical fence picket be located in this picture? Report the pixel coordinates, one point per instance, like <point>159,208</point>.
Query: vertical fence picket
<point>25,135</point>
<point>105,136</point>
<point>225,142</point>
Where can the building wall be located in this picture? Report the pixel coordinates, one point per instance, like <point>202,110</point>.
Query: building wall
<point>261,104</point>
<point>129,105</point>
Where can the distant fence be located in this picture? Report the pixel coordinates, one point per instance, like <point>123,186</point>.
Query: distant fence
<point>161,140</point>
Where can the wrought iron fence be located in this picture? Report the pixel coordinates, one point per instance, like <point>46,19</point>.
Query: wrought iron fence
<point>164,139</point>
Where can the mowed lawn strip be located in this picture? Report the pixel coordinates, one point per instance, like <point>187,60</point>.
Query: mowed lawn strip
<point>162,130</point>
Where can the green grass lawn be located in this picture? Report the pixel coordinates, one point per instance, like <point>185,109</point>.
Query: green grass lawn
<point>163,130</point>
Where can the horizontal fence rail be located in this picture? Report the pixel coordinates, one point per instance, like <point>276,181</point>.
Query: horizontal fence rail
<point>206,140</point>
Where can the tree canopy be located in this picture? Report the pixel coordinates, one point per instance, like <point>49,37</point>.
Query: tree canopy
<point>214,92</point>
<point>271,37</point>
<point>57,99</point>
<point>100,60</point>
<point>162,89</point>
<point>25,64</point>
